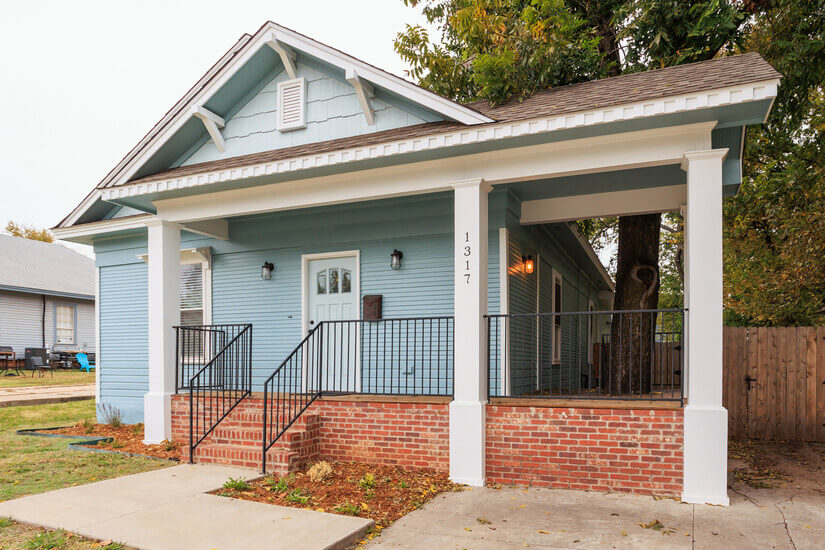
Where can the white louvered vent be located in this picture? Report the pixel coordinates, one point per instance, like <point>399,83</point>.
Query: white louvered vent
<point>291,104</point>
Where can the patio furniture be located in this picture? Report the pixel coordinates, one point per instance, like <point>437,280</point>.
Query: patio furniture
<point>38,366</point>
<point>40,353</point>
<point>83,359</point>
<point>7,361</point>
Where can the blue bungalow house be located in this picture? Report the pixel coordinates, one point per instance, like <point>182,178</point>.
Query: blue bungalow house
<point>306,243</point>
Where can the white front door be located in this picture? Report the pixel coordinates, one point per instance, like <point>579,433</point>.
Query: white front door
<point>333,296</point>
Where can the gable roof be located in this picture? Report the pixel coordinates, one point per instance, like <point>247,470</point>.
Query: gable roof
<point>608,92</point>
<point>45,268</point>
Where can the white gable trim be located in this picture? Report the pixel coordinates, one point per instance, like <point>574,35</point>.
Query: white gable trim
<point>463,136</point>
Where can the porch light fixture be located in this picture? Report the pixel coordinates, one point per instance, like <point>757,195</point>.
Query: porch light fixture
<point>527,262</point>
<point>266,271</point>
<point>395,259</point>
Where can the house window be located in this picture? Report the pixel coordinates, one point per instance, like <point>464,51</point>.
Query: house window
<point>64,324</point>
<point>557,303</point>
<point>191,294</point>
<point>291,104</point>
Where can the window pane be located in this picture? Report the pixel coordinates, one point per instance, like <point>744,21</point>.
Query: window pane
<point>346,280</point>
<point>322,282</point>
<point>333,280</point>
<point>191,286</point>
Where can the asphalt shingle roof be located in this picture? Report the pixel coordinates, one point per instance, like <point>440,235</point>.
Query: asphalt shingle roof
<point>35,265</point>
<point>630,88</point>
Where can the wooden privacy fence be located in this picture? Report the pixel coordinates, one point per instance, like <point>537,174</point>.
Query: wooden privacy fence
<point>774,382</point>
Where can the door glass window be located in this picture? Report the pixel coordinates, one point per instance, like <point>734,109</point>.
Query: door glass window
<point>346,281</point>
<point>333,280</point>
<point>322,282</point>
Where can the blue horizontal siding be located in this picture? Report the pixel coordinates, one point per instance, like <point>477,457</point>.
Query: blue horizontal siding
<point>421,227</point>
<point>124,345</point>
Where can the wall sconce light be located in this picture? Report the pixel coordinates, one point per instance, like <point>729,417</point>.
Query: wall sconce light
<point>395,259</point>
<point>527,262</point>
<point>266,271</point>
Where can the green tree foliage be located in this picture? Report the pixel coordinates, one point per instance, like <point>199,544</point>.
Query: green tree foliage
<point>29,232</point>
<point>775,226</point>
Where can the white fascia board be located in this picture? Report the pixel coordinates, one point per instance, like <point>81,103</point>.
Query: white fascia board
<point>632,202</point>
<point>464,136</point>
<point>587,155</point>
<point>365,93</point>
<point>84,233</point>
<point>286,53</point>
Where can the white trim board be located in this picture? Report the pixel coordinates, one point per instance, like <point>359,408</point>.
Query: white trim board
<point>587,155</point>
<point>469,135</point>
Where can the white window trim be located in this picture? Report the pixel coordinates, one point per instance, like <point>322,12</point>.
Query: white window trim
<point>74,323</point>
<point>557,345</point>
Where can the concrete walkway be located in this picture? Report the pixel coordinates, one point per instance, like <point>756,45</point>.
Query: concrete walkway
<point>167,509</point>
<point>511,518</point>
<point>36,395</point>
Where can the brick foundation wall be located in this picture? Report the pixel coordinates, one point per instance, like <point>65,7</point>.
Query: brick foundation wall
<point>635,451</point>
<point>410,434</point>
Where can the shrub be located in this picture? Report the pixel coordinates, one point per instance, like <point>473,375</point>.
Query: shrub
<point>239,484</point>
<point>367,482</point>
<point>110,414</point>
<point>348,509</point>
<point>319,471</point>
<point>279,484</point>
<point>297,497</point>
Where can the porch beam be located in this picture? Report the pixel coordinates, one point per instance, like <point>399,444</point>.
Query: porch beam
<point>467,410</point>
<point>365,93</point>
<point>213,124</point>
<point>164,313</point>
<point>705,419</point>
<point>588,155</point>
<point>598,205</point>
<point>217,228</point>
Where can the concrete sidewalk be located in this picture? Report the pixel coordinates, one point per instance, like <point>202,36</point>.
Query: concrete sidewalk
<point>36,395</point>
<point>511,518</point>
<point>167,509</point>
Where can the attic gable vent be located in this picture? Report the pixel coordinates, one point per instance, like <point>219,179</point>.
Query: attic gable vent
<point>291,104</point>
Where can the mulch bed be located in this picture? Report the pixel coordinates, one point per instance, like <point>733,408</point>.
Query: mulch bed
<point>128,438</point>
<point>380,493</point>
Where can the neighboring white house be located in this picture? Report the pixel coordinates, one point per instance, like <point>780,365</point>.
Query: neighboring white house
<point>47,296</point>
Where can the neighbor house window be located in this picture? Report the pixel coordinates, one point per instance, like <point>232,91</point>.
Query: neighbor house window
<point>191,294</point>
<point>557,303</point>
<point>64,324</point>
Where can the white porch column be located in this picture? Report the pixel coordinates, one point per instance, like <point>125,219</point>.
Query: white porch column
<point>164,313</point>
<point>706,420</point>
<point>467,410</point>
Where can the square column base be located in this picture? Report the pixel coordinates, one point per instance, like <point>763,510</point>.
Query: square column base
<point>468,424</point>
<point>157,418</point>
<point>706,456</point>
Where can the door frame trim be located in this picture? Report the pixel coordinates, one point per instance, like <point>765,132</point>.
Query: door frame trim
<point>305,259</point>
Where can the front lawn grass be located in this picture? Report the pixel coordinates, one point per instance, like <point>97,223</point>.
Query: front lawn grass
<point>60,378</point>
<point>30,465</point>
<point>26,537</point>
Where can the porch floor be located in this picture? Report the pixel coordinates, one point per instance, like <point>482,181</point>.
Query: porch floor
<point>167,509</point>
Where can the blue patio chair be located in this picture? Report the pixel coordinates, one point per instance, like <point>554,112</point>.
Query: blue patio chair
<point>83,359</point>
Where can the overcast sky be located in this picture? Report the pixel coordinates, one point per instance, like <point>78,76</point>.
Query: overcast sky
<point>81,82</point>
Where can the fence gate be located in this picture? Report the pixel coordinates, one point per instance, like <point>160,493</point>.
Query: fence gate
<point>774,382</point>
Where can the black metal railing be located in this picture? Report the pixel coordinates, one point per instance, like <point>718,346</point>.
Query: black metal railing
<point>219,358</point>
<point>630,354</point>
<point>406,356</point>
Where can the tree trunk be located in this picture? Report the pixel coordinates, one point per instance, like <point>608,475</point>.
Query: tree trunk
<point>637,287</point>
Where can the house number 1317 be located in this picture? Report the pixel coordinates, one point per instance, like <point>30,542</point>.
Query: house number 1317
<point>467,252</point>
